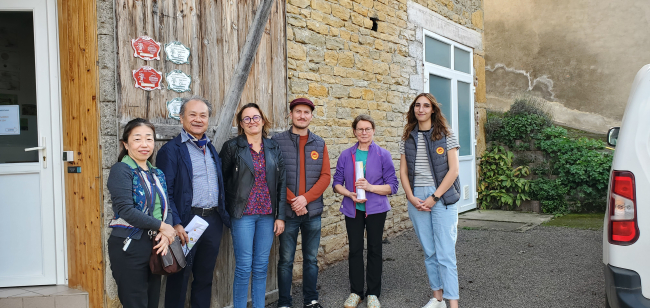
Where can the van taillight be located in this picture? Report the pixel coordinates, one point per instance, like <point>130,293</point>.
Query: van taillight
<point>623,228</point>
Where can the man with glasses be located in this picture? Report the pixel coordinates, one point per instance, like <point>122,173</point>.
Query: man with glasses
<point>192,168</point>
<point>308,175</point>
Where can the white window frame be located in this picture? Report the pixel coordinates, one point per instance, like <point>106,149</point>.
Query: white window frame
<point>454,76</point>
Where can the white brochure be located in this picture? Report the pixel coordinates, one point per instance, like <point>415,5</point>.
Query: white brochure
<point>194,230</point>
<point>361,194</point>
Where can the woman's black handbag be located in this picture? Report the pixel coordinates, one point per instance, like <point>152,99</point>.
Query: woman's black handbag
<point>171,263</point>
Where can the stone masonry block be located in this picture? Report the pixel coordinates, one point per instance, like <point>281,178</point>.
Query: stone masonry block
<point>105,18</point>
<point>318,27</point>
<point>334,43</point>
<point>299,3</point>
<point>346,59</point>
<point>381,68</point>
<point>317,90</point>
<point>322,6</point>
<point>331,57</point>
<point>477,19</point>
<point>108,119</point>
<point>309,37</point>
<point>340,12</point>
<point>296,21</point>
<point>339,91</point>
<point>346,3</point>
<point>364,63</point>
<point>315,55</point>
<point>339,71</point>
<point>110,149</point>
<point>299,86</point>
<point>296,51</point>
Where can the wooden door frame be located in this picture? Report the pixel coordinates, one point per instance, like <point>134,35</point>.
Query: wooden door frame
<point>80,123</point>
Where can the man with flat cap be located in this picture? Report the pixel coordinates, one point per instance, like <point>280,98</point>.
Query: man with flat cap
<point>308,175</point>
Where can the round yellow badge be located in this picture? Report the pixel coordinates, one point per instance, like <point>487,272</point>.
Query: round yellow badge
<point>440,150</point>
<point>314,155</point>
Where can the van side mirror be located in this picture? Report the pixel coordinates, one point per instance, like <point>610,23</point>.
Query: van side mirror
<point>612,136</point>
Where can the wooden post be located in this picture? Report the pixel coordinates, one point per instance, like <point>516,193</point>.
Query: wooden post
<point>240,77</point>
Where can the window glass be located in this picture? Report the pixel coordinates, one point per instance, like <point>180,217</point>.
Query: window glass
<point>437,52</point>
<point>465,120</point>
<point>441,89</point>
<point>461,61</point>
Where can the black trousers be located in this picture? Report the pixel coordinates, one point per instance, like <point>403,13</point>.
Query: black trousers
<point>137,287</point>
<point>374,227</point>
<point>200,263</point>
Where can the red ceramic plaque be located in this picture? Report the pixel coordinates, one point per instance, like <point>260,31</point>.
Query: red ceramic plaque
<point>146,48</point>
<point>147,78</point>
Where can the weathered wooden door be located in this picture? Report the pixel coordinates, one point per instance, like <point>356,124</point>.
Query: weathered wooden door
<point>215,32</point>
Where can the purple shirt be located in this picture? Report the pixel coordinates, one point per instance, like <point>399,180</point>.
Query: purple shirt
<point>379,171</point>
<point>259,200</point>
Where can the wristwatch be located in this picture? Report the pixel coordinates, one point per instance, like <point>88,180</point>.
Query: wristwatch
<point>435,198</point>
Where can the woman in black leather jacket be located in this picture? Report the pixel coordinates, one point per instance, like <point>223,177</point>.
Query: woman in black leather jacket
<point>256,194</point>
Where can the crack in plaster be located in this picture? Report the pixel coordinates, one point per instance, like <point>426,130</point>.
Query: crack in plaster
<point>544,79</point>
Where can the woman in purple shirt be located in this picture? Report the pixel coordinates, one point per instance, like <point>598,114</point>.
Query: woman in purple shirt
<point>369,214</point>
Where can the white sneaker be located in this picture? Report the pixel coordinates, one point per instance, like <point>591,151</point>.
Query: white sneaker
<point>434,303</point>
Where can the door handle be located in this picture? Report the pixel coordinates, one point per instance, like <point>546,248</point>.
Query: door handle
<point>40,148</point>
<point>34,149</point>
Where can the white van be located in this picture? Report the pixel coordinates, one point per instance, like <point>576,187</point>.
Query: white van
<point>626,233</point>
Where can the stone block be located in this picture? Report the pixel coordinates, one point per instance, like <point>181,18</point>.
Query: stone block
<point>317,90</point>
<point>296,51</point>
<point>395,70</point>
<point>344,34</point>
<point>309,37</point>
<point>333,243</point>
<point>383,27</point>
<point>343,113</point>
<point>382,68</point>
<point>334,43</point>
<point>339,91</point>
<point>105,18</point>
<point>309,76</point>
<point>378,115</point>
<point>346,3</point>
<point>338,71</point>
<point>315,55</point>
<point>340,12</point>
<point>110,149</point>
<point>477,20</point>
<point>358,19</point>
<point>346,59</point>
<point>479,69</point>
<point>354,38</point>
<point>296,21</point>
<point>359,9</point>
<point>108,118</point>
<point>299,86</point>
<point>318,27</point>
<point>299,3</point>
<point>364,63</point>
<point>322,6</point>
<point>394,97</point>
<point>331,57</point>
<point>362,50</point>
<point>366,3</point>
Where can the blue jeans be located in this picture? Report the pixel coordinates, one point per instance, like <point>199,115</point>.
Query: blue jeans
<point>252,239</point>
<point>437,233</point>
<point>310,232</point>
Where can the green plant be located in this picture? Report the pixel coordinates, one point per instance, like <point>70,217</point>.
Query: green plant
<point>520,127</point>
<point>583,165</point>
<point>500,184</point>
<point>551,194</point>
<point>493,124</point>
<point>531,105</point>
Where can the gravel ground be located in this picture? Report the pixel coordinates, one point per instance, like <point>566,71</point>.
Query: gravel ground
<point>542,267</point>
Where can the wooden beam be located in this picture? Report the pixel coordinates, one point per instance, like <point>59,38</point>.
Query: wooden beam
<point>80,118</point>
<point>242,71</point>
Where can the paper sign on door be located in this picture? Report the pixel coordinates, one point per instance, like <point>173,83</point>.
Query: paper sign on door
<point>9,120</point>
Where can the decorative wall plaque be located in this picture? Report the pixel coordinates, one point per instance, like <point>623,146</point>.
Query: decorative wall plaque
<point>147,78</point>
<point>177,52</point>
<point>146,48</point>
<point>174,108</point>
<point>178,81</point>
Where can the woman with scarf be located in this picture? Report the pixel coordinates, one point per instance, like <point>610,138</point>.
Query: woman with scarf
<point>142,220</point>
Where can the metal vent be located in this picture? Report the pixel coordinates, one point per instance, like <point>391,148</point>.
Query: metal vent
<point>465,192</point>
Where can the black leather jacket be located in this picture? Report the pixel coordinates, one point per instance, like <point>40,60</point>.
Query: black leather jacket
<point>239,175</point>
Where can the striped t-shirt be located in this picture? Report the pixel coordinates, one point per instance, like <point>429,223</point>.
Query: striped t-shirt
<point>423,176</point>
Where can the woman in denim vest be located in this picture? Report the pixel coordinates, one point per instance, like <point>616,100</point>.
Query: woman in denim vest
<point>429,175</point>
<point>365,214</point>
<point>139,195</point>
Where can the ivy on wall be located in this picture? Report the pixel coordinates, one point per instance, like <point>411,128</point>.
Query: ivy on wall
<point>572,178</point>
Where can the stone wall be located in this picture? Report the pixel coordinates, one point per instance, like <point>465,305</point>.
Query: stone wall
<point>365,57</point>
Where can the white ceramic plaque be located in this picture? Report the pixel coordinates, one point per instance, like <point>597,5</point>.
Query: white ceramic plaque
<point>178,81</point>
<point>177,52</point>
<point>174,108</point>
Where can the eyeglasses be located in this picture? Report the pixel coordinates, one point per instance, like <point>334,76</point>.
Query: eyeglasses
<point>367,130</point>
<point>255,119</point>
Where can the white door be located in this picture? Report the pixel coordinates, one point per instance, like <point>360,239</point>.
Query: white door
<point>448,70</point>
<point>29,137</point>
